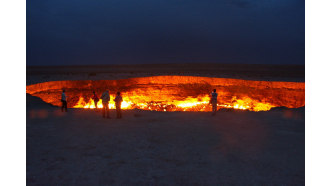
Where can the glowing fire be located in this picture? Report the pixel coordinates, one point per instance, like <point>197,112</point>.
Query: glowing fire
<point>91,104</point>
<point>188,104</point>
<point>175,93</point>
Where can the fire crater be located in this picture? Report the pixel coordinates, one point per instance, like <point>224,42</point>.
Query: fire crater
<point>175,93</point>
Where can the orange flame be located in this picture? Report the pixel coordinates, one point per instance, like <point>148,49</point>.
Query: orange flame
<point>189,104</point>
<point>91,104</point>
<point>176,93</point>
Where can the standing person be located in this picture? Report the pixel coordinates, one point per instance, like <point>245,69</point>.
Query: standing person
<point>105,102</point>
<point>95,98</point>
<point>64,103</point>
<point>214,98</point>
<point>118,101</point>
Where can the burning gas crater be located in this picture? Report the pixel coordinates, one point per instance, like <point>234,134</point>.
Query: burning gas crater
<point>176,93</point>
<point>188,104</point>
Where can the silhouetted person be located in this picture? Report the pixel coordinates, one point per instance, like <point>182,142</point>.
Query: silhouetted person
<point>118,101</point>
<point>64,103</point>
<point>214,97</point>
<point>105,102</point>
<point>95,98</point>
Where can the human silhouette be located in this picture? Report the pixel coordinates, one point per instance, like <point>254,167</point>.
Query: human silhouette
<point>95,98</point>
<point>64,102</point>
<point>105,102</point>
<point>214,97</point>
<point>118,101</point>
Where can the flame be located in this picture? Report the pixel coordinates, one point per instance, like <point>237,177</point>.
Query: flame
<point>201,103</point>
<point>176,93</point>
<point>91,104</point>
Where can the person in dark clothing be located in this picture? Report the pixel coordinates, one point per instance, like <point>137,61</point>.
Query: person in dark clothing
<point>95,98</point>
<point>64,103</point>
<point>105,102</point>
<point>214,97</point>
<point>118,101</point>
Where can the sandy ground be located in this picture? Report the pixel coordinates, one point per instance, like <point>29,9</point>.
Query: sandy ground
<point>294,73</point>
<point>158,148</point>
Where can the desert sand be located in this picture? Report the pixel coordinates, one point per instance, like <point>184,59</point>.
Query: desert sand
<point>164,148</point>
<point>38,74</point>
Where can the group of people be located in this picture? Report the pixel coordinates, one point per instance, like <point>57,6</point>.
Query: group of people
<point>105,102</point>
<point>118,100</point>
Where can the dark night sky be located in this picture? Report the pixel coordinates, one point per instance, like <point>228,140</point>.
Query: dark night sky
<point>80,32</point>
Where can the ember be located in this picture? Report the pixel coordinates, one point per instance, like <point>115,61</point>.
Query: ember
<point>176,93</point>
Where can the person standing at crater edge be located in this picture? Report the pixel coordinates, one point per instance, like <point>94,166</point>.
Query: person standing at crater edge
<point>214,98</point>
<point>118,101</point>
<point>95,98</point>
<point>64,103</point>
<point>105,102</point>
